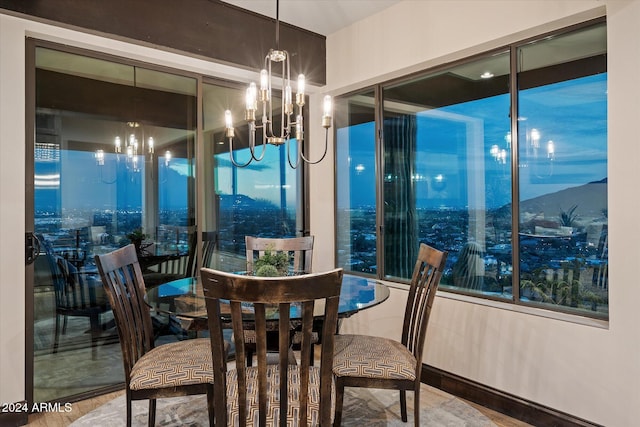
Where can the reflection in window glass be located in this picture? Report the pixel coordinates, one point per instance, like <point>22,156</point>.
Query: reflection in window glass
<point>99,177</point>
<point>448,145</point>
<point>356,184</point>
<point>447,174</point>
<point>563,172</point>
<point>261,199</point>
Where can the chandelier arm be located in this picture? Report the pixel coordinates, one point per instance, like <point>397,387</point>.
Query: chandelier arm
<point>286,67</point>
<point>252,148</point>
<point>294,166</point>
<point>267,108</point>
<point>236,164</point>
<point>108,182</point>
<point>326,146</point>
<point>284,117</point>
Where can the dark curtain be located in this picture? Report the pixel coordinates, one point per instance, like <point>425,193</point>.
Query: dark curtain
<point>400,217</point>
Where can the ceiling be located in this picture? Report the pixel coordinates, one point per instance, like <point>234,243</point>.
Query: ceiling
<point>319,16</point>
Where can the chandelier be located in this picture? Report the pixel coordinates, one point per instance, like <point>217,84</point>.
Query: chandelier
<point>134,143</point>
<point>287,129</point>
<point>134,146</point>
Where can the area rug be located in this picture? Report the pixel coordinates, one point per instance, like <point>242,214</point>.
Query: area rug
<point>374,408</point>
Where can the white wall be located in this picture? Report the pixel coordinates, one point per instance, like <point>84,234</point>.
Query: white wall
<point>12,148</point>
<point>585,370</point>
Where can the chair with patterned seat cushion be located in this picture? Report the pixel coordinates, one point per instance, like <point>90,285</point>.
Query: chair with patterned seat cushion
<point>376,362</point>
<point>176,369</point>
<point>299,251</point>
<point>263,394</point>
<point>76,296</point>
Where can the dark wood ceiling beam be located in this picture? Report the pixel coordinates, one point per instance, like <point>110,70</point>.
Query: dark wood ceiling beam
<point>205,28</point>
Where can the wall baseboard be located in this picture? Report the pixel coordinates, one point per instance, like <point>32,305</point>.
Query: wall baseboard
<point>505,403</point>
<point>14,419</point>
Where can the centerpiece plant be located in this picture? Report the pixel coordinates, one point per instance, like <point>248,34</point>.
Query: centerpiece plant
<point>137,237</point>
<point>272,264</point>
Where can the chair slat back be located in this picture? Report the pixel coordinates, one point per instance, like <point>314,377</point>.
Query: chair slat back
<point>299,248</point>
<point>73,292</point>
<point>209,246</point>
<point>124,285</point>
<point>424,282</point>
<point>244,297</point>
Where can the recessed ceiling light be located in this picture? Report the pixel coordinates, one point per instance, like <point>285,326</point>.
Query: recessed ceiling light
<point>486,75</point>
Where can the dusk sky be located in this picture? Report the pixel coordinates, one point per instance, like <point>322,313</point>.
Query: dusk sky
<point>453,145</point>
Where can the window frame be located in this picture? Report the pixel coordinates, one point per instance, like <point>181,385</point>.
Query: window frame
<point>515,303</point>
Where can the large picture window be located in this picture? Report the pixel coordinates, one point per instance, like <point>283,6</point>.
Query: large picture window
<point>450,157</point>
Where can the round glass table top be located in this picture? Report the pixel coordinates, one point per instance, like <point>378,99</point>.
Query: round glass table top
<point>185,297</point>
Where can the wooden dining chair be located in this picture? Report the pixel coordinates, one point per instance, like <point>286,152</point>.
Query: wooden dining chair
<point>299,251</point>
<point>281,393</point>
<point>209,246</point>
<point>376,362</point>
<point>177,369</point>
<point>76,297</point>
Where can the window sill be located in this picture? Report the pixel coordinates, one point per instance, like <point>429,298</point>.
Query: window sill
<point>532,311</point>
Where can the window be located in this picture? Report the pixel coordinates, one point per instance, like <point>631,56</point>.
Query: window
<point>562,134</point>
<point>90,195</point>
<point>449,167</point>
<point>356,190</point>
<point>262,199</point>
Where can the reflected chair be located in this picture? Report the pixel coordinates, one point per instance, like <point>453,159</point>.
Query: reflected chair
<point>177,369</point>
<point>186,265</point>
<point>256,395</point>
<point>376,362</point>
<point>76,297</point>
<point>209,246</point>
<point>300,252</point>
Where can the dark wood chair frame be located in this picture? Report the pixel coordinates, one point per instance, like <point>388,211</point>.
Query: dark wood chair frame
<point>222,289</point>
<point>424,282</point>
<point>209,246</point>
<point>75,297</point>
<point>124,284</point>
<point>299,248</point>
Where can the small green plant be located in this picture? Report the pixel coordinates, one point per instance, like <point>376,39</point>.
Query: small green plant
<point>267,271</point>
<point>137,236</point>
<point>568,218</point>
<point>272,264</point>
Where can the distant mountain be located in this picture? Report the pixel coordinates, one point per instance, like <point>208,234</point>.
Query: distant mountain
<point>240,201</point>
<point>590,200</point>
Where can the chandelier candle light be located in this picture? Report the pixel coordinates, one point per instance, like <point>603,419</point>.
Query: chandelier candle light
<point>264,95</point>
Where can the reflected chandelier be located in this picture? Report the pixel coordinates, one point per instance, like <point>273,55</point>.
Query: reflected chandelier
<point>288,129</point>
<point>131,146</point>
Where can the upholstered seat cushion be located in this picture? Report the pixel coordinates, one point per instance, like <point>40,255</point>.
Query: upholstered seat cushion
<point>372,357</point>
<point>250,337</point>
<point>273,401</point>
<point>174,365</point>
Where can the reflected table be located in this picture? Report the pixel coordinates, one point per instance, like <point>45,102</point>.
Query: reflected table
<point>184,299</point>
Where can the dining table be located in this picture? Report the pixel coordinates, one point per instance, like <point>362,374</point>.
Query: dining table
<point>184,299</point>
